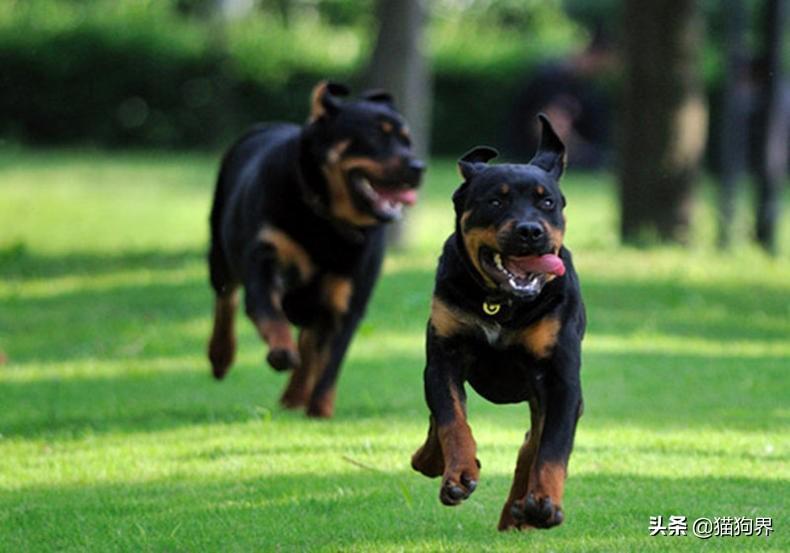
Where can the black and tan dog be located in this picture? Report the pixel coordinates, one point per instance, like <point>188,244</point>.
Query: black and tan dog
<point>507,316</point>
<point>298,221</point>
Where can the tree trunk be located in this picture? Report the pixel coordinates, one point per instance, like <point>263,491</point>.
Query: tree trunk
<point>664,125</point>
<point>733,141</point>
<point>233,9</point>
<point>398,65</point>
<point>773,121</point>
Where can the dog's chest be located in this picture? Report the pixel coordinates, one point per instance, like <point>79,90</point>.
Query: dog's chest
<point>492,332</point>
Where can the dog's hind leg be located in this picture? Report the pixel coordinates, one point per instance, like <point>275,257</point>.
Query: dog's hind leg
<point>322,396</point>
<point>222,344</point>
<point>347,299</point>
<point>314,353</point>
<point>321,348</point>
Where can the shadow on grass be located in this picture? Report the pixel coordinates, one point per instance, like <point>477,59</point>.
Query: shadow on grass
<point>167,322</point>
<point>18,263</point>
<point>368,510</point>
<point>620,389</point>
<point>111,321</point>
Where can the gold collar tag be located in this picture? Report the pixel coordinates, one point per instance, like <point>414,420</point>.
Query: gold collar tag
<point>491,308</point>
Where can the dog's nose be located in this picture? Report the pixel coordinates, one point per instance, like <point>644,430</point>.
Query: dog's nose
<point>530,232</point>
<point>413,171</point>
<point>417,165</point>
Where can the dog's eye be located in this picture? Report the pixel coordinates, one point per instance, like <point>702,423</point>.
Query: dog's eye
<point>495,202</point>
<point>546,203</point>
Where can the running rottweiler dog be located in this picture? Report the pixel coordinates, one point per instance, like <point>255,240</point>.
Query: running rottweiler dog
<point>507,316</point>
<point>298,221</point>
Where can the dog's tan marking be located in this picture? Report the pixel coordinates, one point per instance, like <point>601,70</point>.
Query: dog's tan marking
<point>222,344</point>
<point>376,169</point>
<point>474,238</point>
<point>540,190</point>
<point>458,446</point>
<point>337,292</point>
<point>556,237</point>
<point>289,251</point>
<point>447,321</point>
<point>541,337</point>
<point>276,333</point>
<point>386,127</point>
<point>549,481</point>
<point>405,133</point>
<point>504,189</point>
<point>304,377</point>
<point>336,172</point>
<point>428,459</point>
<point>317,109</point>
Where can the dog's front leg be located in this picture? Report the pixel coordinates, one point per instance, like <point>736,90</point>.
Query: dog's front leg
<point>263,294</point>
<point>526,460</point>
<point>449,438</point>
<point>317,346</point>
<point>541,507</point>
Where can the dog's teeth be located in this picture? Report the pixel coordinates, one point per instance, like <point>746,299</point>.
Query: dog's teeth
<point>498,261</point>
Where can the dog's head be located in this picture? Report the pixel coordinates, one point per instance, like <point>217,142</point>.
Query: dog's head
<point>510,216</point>
<point>364,151</point>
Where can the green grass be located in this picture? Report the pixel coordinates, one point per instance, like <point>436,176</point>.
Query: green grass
<point>113,436</point>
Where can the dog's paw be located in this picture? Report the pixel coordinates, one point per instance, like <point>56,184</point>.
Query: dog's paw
<point>458,483</point>
<point>538,512</point>
<point>221,351</point>
<point>508,522</point>
<point>282,359</point>
<point>293,400</point>
<point>322,407</point>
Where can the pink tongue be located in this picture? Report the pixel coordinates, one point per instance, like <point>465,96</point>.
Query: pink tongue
<point>408,197</point>
<point>548,263</point>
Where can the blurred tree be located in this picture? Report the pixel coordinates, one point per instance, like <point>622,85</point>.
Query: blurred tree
<point>733,142</point>
<point>772,125</point>
<point>227,9</point>
<point>664,118</point>
<point>398,65</point>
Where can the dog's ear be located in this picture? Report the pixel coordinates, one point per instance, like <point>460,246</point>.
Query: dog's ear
<point>379,95</point>
<point>459,198</point>
<point>551,151</point>
<point>325,99</point>
<point>473,161</point>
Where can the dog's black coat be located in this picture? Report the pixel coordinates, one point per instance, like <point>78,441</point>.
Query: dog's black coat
<point>290,225</point>
<point>510,345</point>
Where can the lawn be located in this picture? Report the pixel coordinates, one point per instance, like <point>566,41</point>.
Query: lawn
<point>114,437</point>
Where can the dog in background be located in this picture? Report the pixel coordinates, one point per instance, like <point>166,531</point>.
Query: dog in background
<point>298,221</point>
<point>507,317</point>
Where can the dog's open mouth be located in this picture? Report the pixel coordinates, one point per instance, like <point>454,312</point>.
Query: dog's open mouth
<point>523,275</point>
<point>385,200</point>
